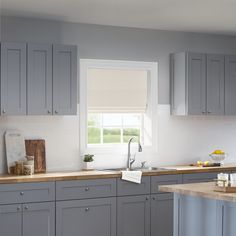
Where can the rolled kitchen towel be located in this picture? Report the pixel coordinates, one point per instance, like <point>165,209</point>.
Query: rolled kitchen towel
<point>132,176</point>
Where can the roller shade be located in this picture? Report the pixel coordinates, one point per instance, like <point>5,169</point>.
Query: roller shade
<point>117,90</point>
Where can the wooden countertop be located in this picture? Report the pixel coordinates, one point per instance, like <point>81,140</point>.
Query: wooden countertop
<point>205,190</point>
<point>97,174</point>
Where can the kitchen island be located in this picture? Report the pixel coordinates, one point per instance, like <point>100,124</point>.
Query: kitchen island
<point>201,211</point>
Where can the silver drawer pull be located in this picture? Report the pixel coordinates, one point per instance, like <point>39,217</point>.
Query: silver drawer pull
<point>86,209</point>
<point>18,208</point>
<point>21,193</point>
<point>147,198</point>
<point>87,189</point>
<point>26,207</point>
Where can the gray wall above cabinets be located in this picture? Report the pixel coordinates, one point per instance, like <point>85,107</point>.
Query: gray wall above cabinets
<point>107,42</point>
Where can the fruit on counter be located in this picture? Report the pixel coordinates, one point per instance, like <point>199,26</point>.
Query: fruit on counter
<point>203,163</point>
<point>218,152</point>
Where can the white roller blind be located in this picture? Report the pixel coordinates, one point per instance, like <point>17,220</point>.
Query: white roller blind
<point>117,90</point>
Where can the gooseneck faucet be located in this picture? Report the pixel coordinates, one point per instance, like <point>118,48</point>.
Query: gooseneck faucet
<point>130,160</point>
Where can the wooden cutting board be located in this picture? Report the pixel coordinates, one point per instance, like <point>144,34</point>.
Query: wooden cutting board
<point>36,148</point>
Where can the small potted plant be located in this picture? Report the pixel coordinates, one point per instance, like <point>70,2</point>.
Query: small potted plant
<point>88,161</point>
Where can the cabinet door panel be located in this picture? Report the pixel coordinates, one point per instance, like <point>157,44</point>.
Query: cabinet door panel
<point>10,220</point>
<point>215,84</point>
<point>162,215</point>
<point>133,216</point>
<point>39,80</point>
<point>86,217</point>
<point>196,83</point>
<point>230,85</point>
<point>13,79</point>
<point>39,219</point>
<point>64,80</point>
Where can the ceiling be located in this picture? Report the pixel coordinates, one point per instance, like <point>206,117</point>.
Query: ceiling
<point>211,16</point>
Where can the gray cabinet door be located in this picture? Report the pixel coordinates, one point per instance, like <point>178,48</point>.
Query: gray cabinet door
<point>86,217</point>
<point>39,79</point>
<point>13,79</point>
<point>162,215</point>
<point>196,72</point>
<point>215,84</point>
<point>133,216</point>
<point>10,220</point>
<point>64,80</point>
<point>230,85</point>
<point>39,219</point>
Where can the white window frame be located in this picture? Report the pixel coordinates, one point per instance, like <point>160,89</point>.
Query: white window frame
<point>85,64</point>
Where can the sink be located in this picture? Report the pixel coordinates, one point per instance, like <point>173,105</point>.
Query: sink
<point>146,169</point>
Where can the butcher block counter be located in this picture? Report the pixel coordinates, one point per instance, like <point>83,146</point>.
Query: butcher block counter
<point>103,174</point>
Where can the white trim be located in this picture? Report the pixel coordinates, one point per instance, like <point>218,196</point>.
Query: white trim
<point>85,64</point>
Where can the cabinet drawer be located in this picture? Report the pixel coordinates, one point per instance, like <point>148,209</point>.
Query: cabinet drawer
<point>79,189</point>
<point>27,192</point>
<point>199,177</point>
<point>125,188</point>
<point>156,181</point>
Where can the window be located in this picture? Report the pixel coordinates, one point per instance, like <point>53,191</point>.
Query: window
<point>118,100</point>
<point>110,128</point>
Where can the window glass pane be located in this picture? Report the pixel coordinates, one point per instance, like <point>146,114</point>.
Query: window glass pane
<point>129,133</point>
<point>94,119</point>
<point>112,119</point>
<point>111,135</point>
<point>132,120</point>
<point>94,135</point>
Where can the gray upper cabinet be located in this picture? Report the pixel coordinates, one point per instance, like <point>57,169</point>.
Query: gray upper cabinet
<point>64,80</point>
<point>13,79</point>
<point>196,80</point>
<point>133,216</point>
<point>197,84</point>
<point>11,220</point>
<point>39,79</point>
<point>215,84</point>
<point>230,85</point>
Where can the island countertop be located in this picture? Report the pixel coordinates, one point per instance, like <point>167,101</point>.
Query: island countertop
<point>205,190</point>
<point>102,174</point>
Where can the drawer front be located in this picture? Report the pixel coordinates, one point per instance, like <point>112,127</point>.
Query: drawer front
<point>81,189</point>
<point>156,181</point>
<point>125,188</point>
<point>199,177</point>
<point>27,192</point>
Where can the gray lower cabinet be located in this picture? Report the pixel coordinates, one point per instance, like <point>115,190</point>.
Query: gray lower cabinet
<point>162,214</point>
<point>199,177</point>
<point>39,79</point>
<point>133,215</point>
<point>230,85</point>
<point>64,80</point>
<point>36,219</point>
<point>11,220</point>
<point>86,217</point>
<point>13,79</point>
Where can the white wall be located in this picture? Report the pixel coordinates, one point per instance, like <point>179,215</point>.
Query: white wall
<point>181,140</point>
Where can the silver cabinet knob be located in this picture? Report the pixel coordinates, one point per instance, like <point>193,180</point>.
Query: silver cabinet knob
<point>49,112</point>
<point>3,111</point>
<point>21,193</point>
<point>147,198</point>
<point>87,189</point>
<point>86,209</point>
<point>18,208</point>
<point>26,207</point>
<point>153,198</point>
<point>209,112</point>
<point>56,112</point>
<point>203,112</point>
